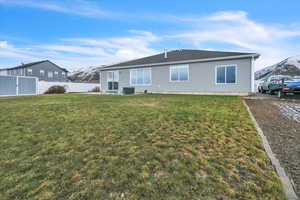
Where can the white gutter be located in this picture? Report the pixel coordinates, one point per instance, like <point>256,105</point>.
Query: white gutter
<point>182,62</point>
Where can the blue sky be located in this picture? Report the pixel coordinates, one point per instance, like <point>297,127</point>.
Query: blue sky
<point>82,33</point>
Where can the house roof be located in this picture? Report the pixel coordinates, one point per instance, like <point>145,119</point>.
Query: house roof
<point>181,56</point>
<point>35,63</point>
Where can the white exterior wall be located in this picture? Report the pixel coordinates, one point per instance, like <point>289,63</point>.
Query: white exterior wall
<point>43,86</point>
<point>3,72</point>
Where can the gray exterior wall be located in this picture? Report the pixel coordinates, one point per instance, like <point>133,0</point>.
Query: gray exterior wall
<point>201,79</point>
<point>46,66</point>
<point>3,72</point>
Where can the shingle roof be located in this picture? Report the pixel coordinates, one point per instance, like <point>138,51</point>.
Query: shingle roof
<point>179,55</point>
<point>35,63</point>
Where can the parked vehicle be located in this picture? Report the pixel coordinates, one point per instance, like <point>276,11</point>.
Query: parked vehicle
<point>272,84</point>
<point>259,87</point>
<point>288,87</point>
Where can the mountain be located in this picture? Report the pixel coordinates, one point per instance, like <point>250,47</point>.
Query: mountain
<point>86,75</point>
<point>289,66</point>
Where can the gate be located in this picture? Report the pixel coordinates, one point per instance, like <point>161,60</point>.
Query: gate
<point>18,85</point>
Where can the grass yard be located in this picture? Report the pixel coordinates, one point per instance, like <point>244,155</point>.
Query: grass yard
<point>132,147</point>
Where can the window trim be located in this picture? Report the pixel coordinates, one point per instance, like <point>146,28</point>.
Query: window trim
<point>179,66</point>
<point>229,65</point>
<point>147,84</point>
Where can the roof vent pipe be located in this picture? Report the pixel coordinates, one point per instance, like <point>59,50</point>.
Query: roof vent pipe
<point>166,53</point>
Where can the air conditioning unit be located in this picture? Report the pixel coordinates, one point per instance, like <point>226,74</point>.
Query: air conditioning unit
<point>128,90</point>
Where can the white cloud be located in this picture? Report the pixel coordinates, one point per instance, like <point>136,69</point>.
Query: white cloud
<point>237,30</point>
<point>232,30</point>
<point>75,7</point>
<point>74,53</point>
<point>9,51</point>
<point>91,51</point>
<point>3,44</point>
<point>118,48</point>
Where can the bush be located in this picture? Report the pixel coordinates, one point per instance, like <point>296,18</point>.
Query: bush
<point>96,89</point>
<point>56,89</point>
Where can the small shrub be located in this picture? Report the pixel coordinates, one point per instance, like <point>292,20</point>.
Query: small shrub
<point>56,89</point>
<point>96,89</point>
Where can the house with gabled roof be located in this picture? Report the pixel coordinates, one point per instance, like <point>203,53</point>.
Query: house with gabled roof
<point>44,70</point>
<point>183,71</point>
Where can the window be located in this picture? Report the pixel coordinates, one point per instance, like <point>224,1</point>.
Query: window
<point>113,80</point>
<point>56,73</point>
<point>113,85</point>
<point>179,73</point>
<point>50,74</point>
<point>29,71</point>
<point>113,76</point>
<point>140,76</point>
<point>42,73</point>
<point>226,74</point>
<point>63,74</point>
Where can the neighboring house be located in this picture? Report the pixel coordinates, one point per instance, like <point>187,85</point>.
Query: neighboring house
<point>44,70</point>
<point>184,71</point>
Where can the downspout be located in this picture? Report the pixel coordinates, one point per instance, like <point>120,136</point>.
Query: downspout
<point>252,74</point>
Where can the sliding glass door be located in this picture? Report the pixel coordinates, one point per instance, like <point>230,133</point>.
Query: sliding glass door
<point>113,80</point>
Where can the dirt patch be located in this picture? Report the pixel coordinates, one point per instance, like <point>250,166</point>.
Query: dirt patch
<point>282,132</point>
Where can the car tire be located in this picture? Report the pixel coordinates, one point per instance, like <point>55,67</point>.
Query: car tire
<point>280,94</point>
<point>263,91</point>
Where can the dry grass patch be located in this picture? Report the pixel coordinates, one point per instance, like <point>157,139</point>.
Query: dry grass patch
<point>132,147</point>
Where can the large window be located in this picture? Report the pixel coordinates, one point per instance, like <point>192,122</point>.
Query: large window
<point>226,74</point>
<point>113,80</point>
<point>140,76</point>
<point>179,73</point>
<point>29,71</point>
<point>50,74</point>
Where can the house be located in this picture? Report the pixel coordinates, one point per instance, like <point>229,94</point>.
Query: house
<point>44,70</point>
<point>184,71</point>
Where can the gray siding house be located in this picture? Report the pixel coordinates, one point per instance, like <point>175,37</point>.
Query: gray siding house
<point>184,71</point>
<point>44,70</point>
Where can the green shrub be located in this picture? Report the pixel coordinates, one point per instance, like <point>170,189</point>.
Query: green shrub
<point>56,89</point>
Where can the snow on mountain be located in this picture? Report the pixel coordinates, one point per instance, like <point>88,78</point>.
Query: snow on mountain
<point>86,75</point>
<point>289,66</point>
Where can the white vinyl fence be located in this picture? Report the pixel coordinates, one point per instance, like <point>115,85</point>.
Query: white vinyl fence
<point>70,87</point>
<point>18,85</point>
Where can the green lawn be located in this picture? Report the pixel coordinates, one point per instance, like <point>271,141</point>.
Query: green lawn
<point>132,147</point>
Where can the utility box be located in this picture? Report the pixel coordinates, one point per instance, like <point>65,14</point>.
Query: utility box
<point>128,90</point>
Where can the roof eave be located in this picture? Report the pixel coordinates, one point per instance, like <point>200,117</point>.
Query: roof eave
<point>254,55</point>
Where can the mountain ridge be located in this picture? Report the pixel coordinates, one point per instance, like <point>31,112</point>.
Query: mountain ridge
<point>289,66</point>
<point>86,75</point>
